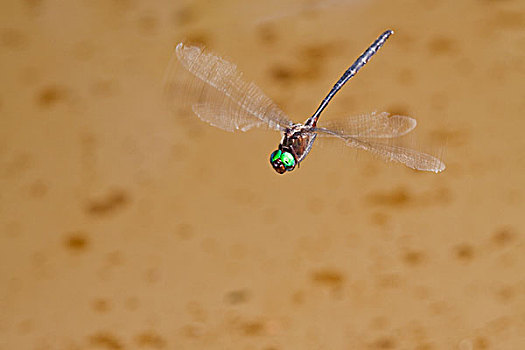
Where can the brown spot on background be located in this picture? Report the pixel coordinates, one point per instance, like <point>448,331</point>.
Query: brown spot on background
<point>77,241</point>
<point>413,257</point>
<point>503,237</point>
<point>184,15</point>
<point>508,20</point>
<point>282,73</point>
<point>105,341</point>
<point>267,34</point>
<point>201,38</point>
<point>379,219</point>
<point>253,328</point>
<point>184,231</point>
<point>150,339</point>
<point>464,252</point>
<point>384,343</point>
<point>396,198</point>
<point>49,96</point>
<point>442,46</point>
<point>101,305</point>
<point>328,278</point>
<point>114,200</point>
<point>147,24</point>
<point>237,296</point>
<point>399,110</point>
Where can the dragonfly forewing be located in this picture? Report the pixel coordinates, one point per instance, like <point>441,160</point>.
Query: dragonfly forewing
<point>212,88</point>
<point>218,116</point>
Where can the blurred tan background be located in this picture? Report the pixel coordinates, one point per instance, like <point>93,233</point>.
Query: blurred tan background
<point>122,227</point>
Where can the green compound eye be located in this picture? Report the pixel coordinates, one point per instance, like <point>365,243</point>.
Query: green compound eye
<point>287,159</point>
<point>275,155</point>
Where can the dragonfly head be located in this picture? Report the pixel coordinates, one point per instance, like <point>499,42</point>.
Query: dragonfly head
<point>282,161</point>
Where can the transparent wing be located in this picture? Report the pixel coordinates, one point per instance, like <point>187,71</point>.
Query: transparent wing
<point>373,125</point>
<point>409,157</point>
<point>211,87</point>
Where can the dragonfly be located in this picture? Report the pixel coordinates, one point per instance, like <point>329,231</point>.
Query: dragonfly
<point>214,90</point>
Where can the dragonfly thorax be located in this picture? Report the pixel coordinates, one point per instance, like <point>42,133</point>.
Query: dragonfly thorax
<point>295,145</point>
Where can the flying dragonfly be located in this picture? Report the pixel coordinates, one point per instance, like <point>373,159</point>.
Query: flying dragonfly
<point>215,92</point>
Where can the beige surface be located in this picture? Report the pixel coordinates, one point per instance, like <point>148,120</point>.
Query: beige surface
<point>122,227</point>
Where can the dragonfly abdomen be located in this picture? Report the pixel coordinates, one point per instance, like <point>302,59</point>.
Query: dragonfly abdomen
<point>350,72</point>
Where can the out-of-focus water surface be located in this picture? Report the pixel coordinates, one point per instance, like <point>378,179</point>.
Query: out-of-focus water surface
<point>123,227</point>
